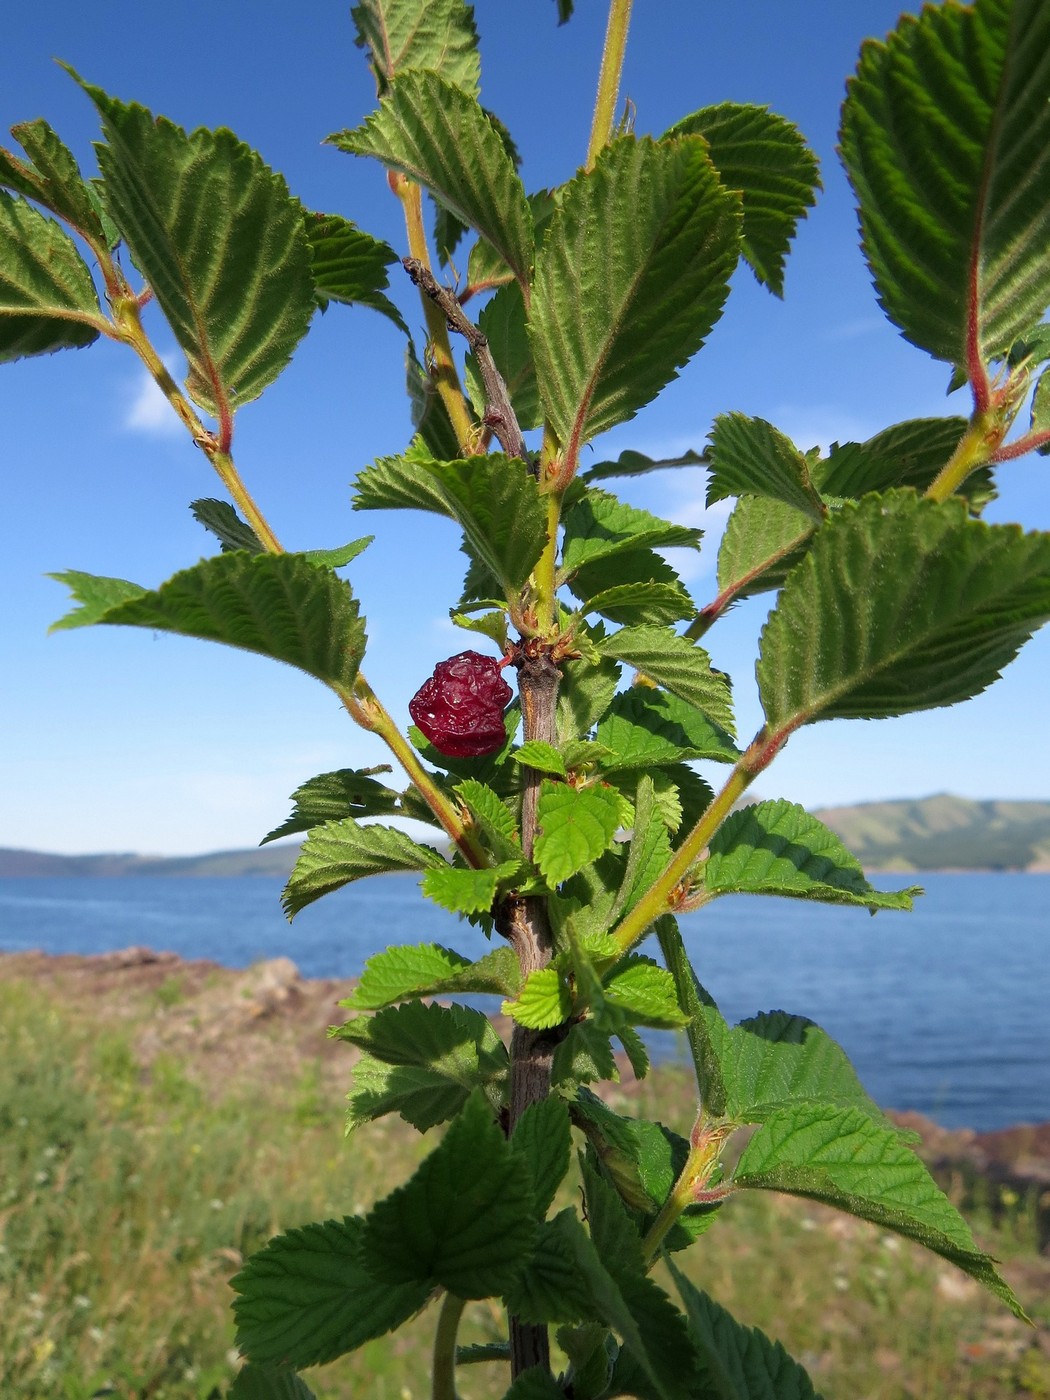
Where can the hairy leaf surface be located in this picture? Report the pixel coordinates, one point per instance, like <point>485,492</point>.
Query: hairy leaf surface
<point>47,298</point>
<point>422,1061</point>
<point>737,1362</point>
<point>840,1156</point>
<point>465,1220</point>
<point>425,969</point>
<point>773,1060</point>
<point>347,792</point>
<point>576,826</point>
<point>645,727</point>
<point>437,134</point>
<point>52,179</point>
<point>259,1383</point>
<point>763,540</point>
<point>778,848</point>
<point>436,34</point>
<point>900,605</point>
<point>350,265</point>
<point>220,241</point>
<point>674,662</point>
<point>494,498</point>
<point>308,1297</point>
<point>599,526</point>
<point>751,457</point>
<point>764,157</point>
<point>630,278</point>
<point>946,140</point>
<point>279,605</point>
<point>339,852</point>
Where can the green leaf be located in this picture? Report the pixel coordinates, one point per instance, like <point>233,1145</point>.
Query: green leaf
<point>220,241</point>
<point>946,140</point>
<point>614,1233</point>
<point>641,604</point>
<point>751,457</point>
<point>676,663</point>
<point>434,430</point>
<point>279,605</point>
<point>584,696</point>
<point>646,993</point>
<point>53,178</point>
<point>763,540</point>
<point>737,1362</point>
<point>348,792</point>
<point>631,568</point>
<point>427,969</point>
<point>630,278</point>
<point>467,891</point>
<point>435,34</point>
<point>341,851</point>
<point>486,268</point>
<point>233,533</point>
<point>631,463</point>
<point>47,298</point>
<point>257,1383</point>
<point>778,848</point>
<point>422,1061</point>
<point>494,498</point>
<point>764,157</point>
<point>308,1297</point>
<point>599,526</point>
<point>585,1055</point>
<point>707,1031</point>
<point>1041,409</point>
<point>494,818</point>
<point>840,1156</point>
<point>576,826</point>
<point>908,454</point>
<point>350,265</point>
<point>901,604</point>
<point>502,322</point>
<point>773,1060</point>
<point>544,1000</point>
<point>542,1140</point>
<point>544,757</point>
<point>464,1221</point>
<point>649,852</point>
<point>551,1289</point>
<point>536,1383</point>
<point>438,135</point>
<point>645,727</point>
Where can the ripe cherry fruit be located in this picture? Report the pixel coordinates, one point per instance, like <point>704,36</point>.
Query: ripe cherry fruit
<point>460,708</point>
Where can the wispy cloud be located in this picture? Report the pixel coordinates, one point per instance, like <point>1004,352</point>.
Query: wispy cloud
<point>147,410</point>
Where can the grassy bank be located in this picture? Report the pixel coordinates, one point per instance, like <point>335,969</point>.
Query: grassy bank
<point>128,1198</point>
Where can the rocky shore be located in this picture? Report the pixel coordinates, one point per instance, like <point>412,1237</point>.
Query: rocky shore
<point>265,1024</point>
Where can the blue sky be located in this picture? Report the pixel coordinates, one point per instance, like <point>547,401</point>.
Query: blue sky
<point>119,740</point>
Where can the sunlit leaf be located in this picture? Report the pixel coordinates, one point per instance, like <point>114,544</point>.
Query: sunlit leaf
<point>778,848</point>
<point>47,298</point>
<point>436,34</point>
<point>438,135</point>
<point>900,605</point>
<point>946,139</point>
<point>339,852</point>
<point>219,240</point>
<point>764,157</point>
<point>630,278</point>
<point>308,1297</point>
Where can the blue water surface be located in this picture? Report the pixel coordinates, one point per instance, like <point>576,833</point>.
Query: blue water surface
<point>944,1010</point>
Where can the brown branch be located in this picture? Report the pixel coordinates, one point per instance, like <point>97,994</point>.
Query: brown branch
<point>499,413</point>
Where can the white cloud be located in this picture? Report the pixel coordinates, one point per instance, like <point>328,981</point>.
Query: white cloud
<point>147,410</point>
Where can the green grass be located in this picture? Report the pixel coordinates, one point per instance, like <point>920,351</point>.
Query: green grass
<point>127,1201</point>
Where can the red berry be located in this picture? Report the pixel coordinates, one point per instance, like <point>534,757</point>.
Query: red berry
<point>460,708</point>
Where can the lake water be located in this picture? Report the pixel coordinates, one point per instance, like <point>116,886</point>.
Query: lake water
<point>946,1010</point>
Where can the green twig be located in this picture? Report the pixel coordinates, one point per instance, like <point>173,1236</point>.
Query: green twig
<point>609,77</point>
<point>443,1383</point>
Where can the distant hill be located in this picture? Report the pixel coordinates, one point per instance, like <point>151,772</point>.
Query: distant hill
<point>276,860</point>
<point>932,833</point>
<point>945,833</point>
